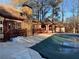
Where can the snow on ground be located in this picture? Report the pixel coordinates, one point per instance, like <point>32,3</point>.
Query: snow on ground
<point>28,41</point>
<point>11,50</point>
<point>19,48</point>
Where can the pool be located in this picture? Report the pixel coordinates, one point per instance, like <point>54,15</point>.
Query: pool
<point>59,46</point>
<point>69,40</point>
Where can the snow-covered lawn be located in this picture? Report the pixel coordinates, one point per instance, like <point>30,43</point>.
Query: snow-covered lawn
<point>10,50</point>
<point>28,41</point>
<point>19,48</point>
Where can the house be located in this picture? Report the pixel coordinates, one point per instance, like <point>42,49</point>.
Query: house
<point>58,27</point>
<point>9,28</point>
<point>36,26</point>
<point>47,26</point>
<point>43,26</point>
<point>1,28</point>
<point>13,27</point>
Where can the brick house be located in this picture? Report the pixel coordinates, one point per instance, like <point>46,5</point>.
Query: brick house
<point>11,27</point>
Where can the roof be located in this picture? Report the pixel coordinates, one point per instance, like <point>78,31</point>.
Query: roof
<point>25,4</point>
<point>36,21</point>
<point>46,21</point>
<point>10,12</point>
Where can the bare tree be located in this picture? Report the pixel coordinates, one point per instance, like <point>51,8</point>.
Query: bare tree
<point>40,8</point>
<point>62,11</point>
<point>55,7</point>
<point>73,14</point>
<point>78,17</point>
<point>78,7</point>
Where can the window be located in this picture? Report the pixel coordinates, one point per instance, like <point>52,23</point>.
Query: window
<point>0,22</point>
<point>18,25</point>
<point>1,30</point>
<point>43,26</point>
<point>22,14</point>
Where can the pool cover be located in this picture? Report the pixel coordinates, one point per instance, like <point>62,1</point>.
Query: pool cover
<point>58,47</point>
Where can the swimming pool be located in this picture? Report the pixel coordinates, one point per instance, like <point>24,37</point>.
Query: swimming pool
<point>59,46</point>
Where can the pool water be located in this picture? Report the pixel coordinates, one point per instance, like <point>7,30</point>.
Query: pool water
<point>59,46</point>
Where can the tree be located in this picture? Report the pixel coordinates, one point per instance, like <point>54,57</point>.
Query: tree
<point>40,8</point>
<point>73,14</point>
<point>71,21</point>
<point>62,11</point>
<point>55,7</point>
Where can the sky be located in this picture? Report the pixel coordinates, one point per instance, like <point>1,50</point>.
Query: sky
<point>67,7</point>
<point>4,1</point>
